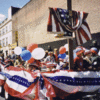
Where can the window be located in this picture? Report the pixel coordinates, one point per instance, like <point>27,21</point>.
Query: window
<point>6,29</point>
<point>6,41</point>
<point>10,27</point>
<point>3,31</point>
<point>0,42</point>
<point>3,42</point>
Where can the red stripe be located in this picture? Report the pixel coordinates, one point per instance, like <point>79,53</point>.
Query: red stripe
<point>56,19</point>
<point>87,28</point>
<point>2,82</point>
<point>12,68</point>
<point>53,89</point>
<point>76,38</point>
<point>37,91</point>
<point>11,91</point>
<point>85,15</point>
<point>84,34</point>
<point>80,39</point>
<point>29,89</point>
<point>49,27</point>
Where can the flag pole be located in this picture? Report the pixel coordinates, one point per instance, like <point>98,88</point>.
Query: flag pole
<point>70,40</point>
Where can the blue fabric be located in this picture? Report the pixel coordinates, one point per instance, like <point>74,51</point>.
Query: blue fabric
<point>17,79</point>
<point>76,81</point>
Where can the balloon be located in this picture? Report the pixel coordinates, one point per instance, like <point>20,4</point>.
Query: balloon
<point>32,46</point>
<point>23,48</point>
<point>38,53</point>
<point>62,56</point>
<point>66,46</point>
<point>31,60</point>
<point>25,55</point>
<point>17,50</point>
<point>62,50</point>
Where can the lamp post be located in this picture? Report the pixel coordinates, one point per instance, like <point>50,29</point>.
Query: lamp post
<point>70,40</point>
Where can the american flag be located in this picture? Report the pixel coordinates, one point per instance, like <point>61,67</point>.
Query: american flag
<point>58,19</point>
<point>59,22</point>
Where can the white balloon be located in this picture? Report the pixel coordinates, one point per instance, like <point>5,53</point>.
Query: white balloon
<point>66,46</point>
<point>17,50</point>
<point>38,53</point>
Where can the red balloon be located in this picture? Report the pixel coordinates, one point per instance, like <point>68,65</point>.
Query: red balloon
<point>31,60</point>
<point>32,46</point>
<point>62,50</point>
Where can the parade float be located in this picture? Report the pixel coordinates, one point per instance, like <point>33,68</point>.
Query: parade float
<point>38,85</point>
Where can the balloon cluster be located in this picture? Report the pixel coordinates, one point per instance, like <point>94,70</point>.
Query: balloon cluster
<point>62,51</point>
<point>32,52</point>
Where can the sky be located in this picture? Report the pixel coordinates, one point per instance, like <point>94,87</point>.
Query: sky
<point>5,4</point>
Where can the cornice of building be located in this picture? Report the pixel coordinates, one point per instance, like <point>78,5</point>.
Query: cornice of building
<point>5,22</point>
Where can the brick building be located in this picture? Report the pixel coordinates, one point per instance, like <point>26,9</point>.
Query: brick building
<point>31,21</point>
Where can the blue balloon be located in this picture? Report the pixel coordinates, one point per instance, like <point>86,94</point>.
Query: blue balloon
<point>23,48</point>
<point>25,55</point>
<point>62,56</point>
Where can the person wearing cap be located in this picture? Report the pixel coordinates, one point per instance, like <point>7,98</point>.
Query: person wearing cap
<point>56,54</point>
<point>50,57</point>
<point>63,64</point>
<point>8,63</point>
<point>95,58</point>
<point>1,60</point>
<point>78,60</point>
<point>86,60</point>
<point>33,66</point>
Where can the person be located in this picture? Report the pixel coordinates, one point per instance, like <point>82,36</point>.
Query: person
<point>33,67</point>
<point>49,58</point>
<point>95,44</point>
<point>56,54</point>
<point>2,55</point>
<point>1,68</point>
<point>86,60</point>
<point>78,60</point>
<point>46,53</point>
<point>8,62</point>
<point>63,64</point>
<point>13,56</point>
<point>49,48</point>
<point>95,59</point>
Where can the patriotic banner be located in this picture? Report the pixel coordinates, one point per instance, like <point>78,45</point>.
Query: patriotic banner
<point>19,82</point>
<point>42,85</point>
<point>59,22</point>
<point>63,83</point>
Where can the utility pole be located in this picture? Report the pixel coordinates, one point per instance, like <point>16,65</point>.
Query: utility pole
<point>70,40</point>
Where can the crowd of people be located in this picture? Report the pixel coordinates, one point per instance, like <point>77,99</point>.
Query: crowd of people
<point>85,59</point>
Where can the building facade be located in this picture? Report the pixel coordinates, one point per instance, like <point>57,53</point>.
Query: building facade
<point>6,31</point>
<point>31,20</point>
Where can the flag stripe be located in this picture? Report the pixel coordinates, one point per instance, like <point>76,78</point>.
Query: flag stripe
<point>80,38</point>
<point>82,30</point>
<point>49,28</point>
